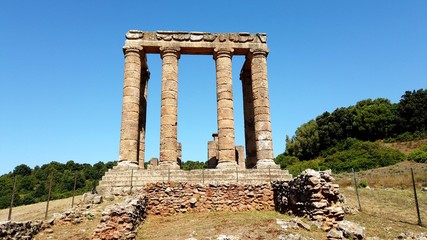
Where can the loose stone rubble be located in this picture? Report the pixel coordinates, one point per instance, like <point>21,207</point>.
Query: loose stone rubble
<point>412,236</point>
<point>313,195</point>
<point>120,221</point>
<point>19,230</point>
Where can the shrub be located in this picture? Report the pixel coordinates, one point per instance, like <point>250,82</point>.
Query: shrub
<point>362,184</point>
<point>419,155</point>
<point>361,155</point>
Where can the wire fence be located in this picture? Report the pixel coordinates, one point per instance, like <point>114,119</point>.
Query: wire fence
<point>403,199</point>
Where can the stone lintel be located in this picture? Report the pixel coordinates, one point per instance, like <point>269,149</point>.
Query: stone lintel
<point>196,42</point>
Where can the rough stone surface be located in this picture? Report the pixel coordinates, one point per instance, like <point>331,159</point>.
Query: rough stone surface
<point>313,195</point>
<point>19,230</point>
<point>412,236</point>
<point>294,223</point>
<point>175,198</point>
<point>293,236</point>
<point>335,234</point>
<point>169,108</point>
<point>225,116</point>
<point>120,221</point>
<point>91,198</point>
<point>351,230</point>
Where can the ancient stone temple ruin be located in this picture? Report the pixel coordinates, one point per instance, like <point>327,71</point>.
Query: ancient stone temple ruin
<point>170,45</point>
<point>223,154</point>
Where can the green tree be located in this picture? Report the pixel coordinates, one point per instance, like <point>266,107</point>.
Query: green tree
<point>374,119</point>
<point>190,165</point>
<point>305,143</point>
<point>22,170</point>
<point>412,111</point>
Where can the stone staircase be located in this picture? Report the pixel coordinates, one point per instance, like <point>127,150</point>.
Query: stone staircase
<point>119,181</point>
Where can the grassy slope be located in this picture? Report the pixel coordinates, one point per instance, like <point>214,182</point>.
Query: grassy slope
<point>37,211</point>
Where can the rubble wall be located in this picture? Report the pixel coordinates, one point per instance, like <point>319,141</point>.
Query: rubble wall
<point>311,194</point>
<point>19,230</point>
<point>168,199</point>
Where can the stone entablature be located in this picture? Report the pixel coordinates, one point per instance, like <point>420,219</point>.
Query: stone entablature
<point>196,42</point>
<point>170,45</point>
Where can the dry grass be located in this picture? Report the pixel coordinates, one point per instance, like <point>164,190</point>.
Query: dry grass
<point>387,212</point>
<point>245,225</point>
<point>395,176</point>
<point>37,211</point>
<point>406,147</point>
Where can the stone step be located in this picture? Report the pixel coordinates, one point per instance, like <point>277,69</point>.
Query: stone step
<point>122,179</point>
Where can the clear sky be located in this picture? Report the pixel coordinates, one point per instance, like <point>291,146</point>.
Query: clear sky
<point>61,68</point>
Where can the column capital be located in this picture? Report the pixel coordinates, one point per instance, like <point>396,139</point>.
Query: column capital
<point>132,49</point>
<point>223,52</point>
<point>258,52</point>
<point>170,51</point>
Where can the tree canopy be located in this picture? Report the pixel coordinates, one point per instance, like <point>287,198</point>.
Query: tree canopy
<point>368,120</point>
<point>32,185</point>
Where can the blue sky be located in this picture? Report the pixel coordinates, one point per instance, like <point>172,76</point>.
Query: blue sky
<point>61,68</point>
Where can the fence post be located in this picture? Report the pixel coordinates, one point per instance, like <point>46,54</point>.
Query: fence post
<point>12,199</point>
<point>416,198</point>
<point>357,191</point>
<point>203,176</point>
<point>74,189</point>
<point>48,197</point>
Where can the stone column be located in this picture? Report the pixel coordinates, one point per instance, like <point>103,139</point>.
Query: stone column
<point>224,91</point>
<point>248,112</point>
<point>213,151</point>
<point>145,76</point>
<point>129,133</point>
<point>263,136</point>
<point>169,109</point>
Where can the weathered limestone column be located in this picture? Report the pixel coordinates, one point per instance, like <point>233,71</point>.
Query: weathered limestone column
<point>263,136</point>
<point>224,91</point>
<point>145,76</point>
<point>169,109</point>
<point>248,112</point>
<point>213,151</point>
<point>129,133</point>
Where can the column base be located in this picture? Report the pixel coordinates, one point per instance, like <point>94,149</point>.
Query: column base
<point>266,163</point>
<point>226,165</point>
<point>167,166</point>
<point>127,165</point>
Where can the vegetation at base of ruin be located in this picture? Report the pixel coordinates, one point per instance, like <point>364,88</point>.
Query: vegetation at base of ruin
<point>347,154</point>
<point>368,120</point>
<point>191,165</point>
<point>32,184</point>
<point>419,155</point>
<point>396,176</point>
<point>353,137</point>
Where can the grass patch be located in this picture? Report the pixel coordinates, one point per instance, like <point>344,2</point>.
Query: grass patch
<point>387,212</point>
<point>209,225</point>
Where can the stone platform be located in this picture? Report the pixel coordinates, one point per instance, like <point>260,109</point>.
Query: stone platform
<point>118,181</point>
